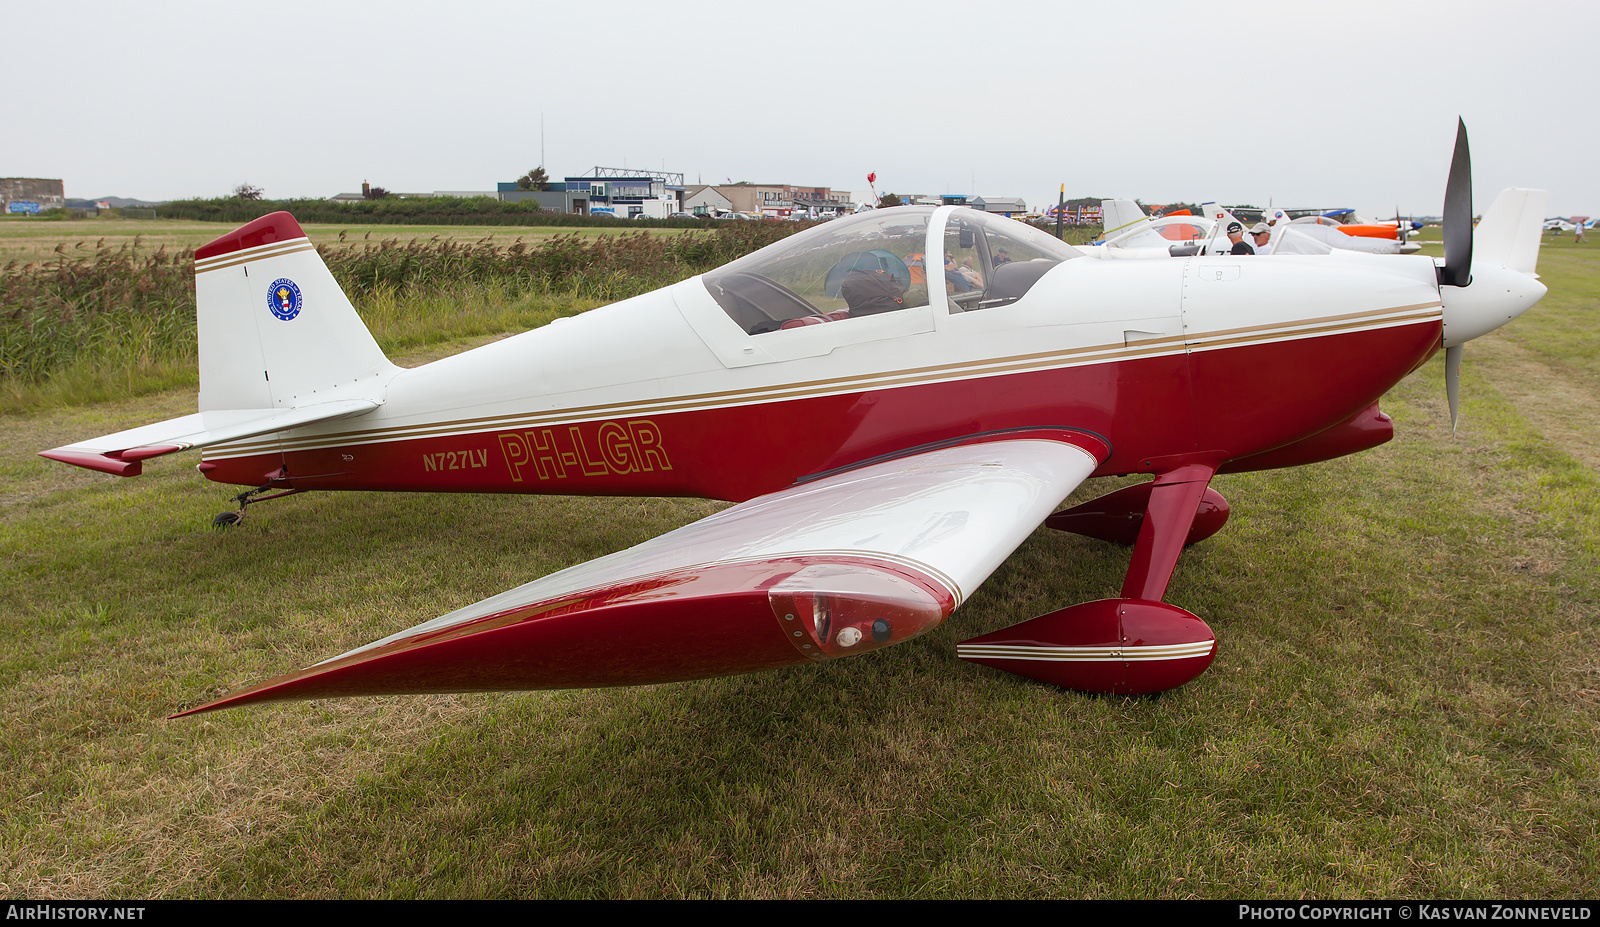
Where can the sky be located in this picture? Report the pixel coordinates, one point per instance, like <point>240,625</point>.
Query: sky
<point>1299,104</point>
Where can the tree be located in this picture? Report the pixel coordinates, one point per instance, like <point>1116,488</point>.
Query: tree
<point>535,179</point>
<point>374,193</point>
<point>888,200</point>
<point>247,191</point>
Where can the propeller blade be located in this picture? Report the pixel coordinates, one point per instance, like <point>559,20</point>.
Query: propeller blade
<point>1457,269</point>
<point>1452,381</point>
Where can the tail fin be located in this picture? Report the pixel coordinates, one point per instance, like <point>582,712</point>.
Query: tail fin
<point>1118,216</point>
<point>1220,216</point>
<point>1510,231</point>
<point>280,347</point>
<point>276,330</point>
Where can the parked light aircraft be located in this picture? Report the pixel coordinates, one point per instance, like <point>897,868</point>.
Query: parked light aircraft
<point>1361,226</point>
<point>1559,224</point>
<point>1333,234</point>
<point>894,400</point>
<point>1185,235</point>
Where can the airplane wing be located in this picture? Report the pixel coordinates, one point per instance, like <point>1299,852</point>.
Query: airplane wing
<point>832,567</point>
<point>122,453</point>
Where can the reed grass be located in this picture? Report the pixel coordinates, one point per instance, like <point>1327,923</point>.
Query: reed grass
<point>87,326</point>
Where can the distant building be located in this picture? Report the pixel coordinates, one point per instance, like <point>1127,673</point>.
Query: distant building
<point>555,199</point>
<point>610,192</point>
<point>705,200</point>
<point>607,191</point>
<point>30,194</point>
<point>758,199</point>
<point>821,201</point>
<point>624,193</point>
<point>999,205</point>
<point>779,201</point>
<point>366,193</point>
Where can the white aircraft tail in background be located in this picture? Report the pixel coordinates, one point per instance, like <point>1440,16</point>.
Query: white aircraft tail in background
<point>1119,216</point>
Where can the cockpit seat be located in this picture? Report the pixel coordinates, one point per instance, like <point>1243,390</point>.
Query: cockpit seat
<point>1008,282</point>
<point>867,292</point>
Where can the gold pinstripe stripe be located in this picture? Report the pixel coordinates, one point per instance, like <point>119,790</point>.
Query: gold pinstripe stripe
<point>258,253</point>
<point>725,398</point>
<point>1068,654</point>
<point>1346,317</point>
<point>1208,340</point>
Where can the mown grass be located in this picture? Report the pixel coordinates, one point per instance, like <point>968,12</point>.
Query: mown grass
<point>1568,333</point>
<point>1405,702</point>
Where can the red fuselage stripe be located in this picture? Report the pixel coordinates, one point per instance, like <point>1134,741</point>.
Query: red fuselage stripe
<point>1239,401</point>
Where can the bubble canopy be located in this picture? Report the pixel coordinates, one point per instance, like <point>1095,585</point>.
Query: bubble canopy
<point>878,261</point>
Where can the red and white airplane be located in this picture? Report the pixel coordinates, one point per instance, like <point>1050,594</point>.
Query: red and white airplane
<point>894,400</point>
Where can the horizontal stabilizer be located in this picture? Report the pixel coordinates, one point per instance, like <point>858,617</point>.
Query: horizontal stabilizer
<point>122,452</point>
<point>831,568</point>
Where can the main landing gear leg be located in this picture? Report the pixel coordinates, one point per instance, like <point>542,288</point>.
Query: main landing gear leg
<point>1133,645</point>
<point>247,498</point>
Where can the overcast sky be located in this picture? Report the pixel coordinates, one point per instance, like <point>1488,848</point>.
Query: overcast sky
<point>1305,103</point>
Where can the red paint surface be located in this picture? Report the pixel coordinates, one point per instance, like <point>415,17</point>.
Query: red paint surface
<point>689,624</point>
<point>1126,623</point>
<point>1255,398</point>
<point>150,450</point>
<point>1155,413</point>
<point>93,461</point>
<point>1364,430</point>
<point>1174,500</point>
<point>274,227</point>
<point>1117,516</point>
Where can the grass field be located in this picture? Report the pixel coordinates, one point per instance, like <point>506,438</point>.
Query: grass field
<point>1406,700</point>
<point>31,240</point>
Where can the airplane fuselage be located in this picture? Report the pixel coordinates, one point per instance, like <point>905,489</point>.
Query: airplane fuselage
<point>1150,362</point>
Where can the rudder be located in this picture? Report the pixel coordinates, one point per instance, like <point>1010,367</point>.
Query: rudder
<point>276,330</point>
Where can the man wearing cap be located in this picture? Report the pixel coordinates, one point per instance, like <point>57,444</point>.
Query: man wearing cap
<point>1262,233</point>
<point>1236,235</point>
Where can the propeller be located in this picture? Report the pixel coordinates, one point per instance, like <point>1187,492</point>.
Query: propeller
<point>1452,381</point>
<point>1457,269</point>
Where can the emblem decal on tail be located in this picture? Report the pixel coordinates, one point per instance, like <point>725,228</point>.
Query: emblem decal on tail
<point>283,298</point>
